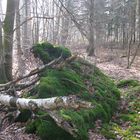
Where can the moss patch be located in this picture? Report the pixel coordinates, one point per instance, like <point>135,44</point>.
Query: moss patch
<point>47,52</point>
<point>128,83</point>
<point>80,78</point>
<point>40,127</point>
<point>126,124</point>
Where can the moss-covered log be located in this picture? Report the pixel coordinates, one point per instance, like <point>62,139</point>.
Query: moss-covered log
<point>78,78</point>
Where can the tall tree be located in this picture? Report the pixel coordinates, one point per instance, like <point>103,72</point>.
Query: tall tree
<point>8,37</point>
<point>91,50</point>
<point>2,68</point>
<point>20,61</point>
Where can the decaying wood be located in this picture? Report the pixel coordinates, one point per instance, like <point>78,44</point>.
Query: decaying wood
<point>48,104</point>
<point>66,125</point>
<point>51,105</point>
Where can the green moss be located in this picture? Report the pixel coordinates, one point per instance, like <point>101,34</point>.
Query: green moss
<point>128,119</point>
<point>63,51</point>
<point>134,118</point>
<point>76,66</point>
<point>60,83</point>
<point>47,129</point>
<point>47,52</point>
<point>133,91</point>
<point>67,81</point>
<point>78,120</point>
<point>77,78</point>
<point>108,132</point>
<point>24,116</point>
<point>132,96</point>
<point>128,83</point>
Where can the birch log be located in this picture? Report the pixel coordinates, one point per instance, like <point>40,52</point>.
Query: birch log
<point>48,104</point>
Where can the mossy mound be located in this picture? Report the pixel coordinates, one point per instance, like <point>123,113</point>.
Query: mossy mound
<point>76,78</point>
<point>47,52</point>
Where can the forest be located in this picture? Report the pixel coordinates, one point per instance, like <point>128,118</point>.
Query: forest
<point>69,69</point>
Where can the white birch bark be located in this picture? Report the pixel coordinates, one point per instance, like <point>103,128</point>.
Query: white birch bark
<point>49,104</point>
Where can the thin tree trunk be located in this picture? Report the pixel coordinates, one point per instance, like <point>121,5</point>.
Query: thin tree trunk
<point>18,39</point>
<point>91,49</point>
<point>37,23</point>
<point>138,15</point>
<point>8,37</point>
<point>2,68</point>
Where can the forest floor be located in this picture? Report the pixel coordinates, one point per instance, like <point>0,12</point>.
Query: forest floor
<point>113,62</point>
<point>124,125</point>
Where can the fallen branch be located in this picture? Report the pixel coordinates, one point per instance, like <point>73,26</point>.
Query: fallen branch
<point>33,72</point>
<point>20,87</point>
<point>57,63</point>
<point>48,104</point>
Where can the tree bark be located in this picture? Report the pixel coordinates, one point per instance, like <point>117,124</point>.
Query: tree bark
<point>91,49</point>
<point>2,68</point>
<point>18,39</point>
<point>8,37</point>
<point>138,14</point>
<point>48,104</point>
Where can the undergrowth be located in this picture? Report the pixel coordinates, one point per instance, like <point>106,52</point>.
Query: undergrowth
<point>126,125</point>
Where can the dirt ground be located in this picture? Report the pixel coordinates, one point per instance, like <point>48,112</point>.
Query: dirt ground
<point>110,62</point>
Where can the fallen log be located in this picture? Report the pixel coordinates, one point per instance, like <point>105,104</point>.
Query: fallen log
<point>48,104</point>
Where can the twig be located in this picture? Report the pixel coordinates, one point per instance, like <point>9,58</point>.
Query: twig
<point>33,72</point>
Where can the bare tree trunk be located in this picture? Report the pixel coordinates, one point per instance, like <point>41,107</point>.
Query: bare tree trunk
<point>133,24</point>
<point>57,24</point>
<point>8,37</point>
<point>91,49</point>
<point>2,68</point>
<point>26,29</point>
<point>129,52</point>
<point>65,24</point>
<point>18,39</point>
<point>123,36</point>
<point>138,15</point>
<point>37,23</point>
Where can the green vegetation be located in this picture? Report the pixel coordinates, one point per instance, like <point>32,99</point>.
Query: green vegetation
<point>127,123</point>
<point>80,78</point>
<point>47,52</point>
<point>128,83</point>
<point>48,130</point>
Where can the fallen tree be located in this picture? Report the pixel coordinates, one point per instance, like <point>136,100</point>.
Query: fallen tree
<point>70,96</point>
<point>48,104</point>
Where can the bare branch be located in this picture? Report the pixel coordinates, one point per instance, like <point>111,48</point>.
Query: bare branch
<point>28,19</point>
